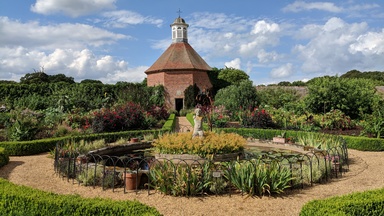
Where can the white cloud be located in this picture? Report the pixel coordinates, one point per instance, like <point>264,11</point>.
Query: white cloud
<point>219,21</point>
<point>63,48</point>
<point>368,44</point>
<point>65,35</point>
<point>235,63</point>
<point>298,6</point>
<point>283,71</point>
<point>339,47</point>
<point>263,27</point>
<point>80,64</point>
<point>264,34</point>
<point>73,8</point>
<point>123,18</point>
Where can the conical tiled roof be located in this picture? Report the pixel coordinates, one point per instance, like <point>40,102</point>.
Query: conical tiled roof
<point>179,56</point>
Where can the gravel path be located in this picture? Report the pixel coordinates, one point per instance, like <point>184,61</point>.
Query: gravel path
<point>366,172</point>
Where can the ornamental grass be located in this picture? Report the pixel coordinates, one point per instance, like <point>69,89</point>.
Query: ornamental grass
<point>210,144</point>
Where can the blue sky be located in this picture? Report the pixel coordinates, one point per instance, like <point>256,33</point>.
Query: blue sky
<point>117,40</point>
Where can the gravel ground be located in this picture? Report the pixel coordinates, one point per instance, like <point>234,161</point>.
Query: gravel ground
<point>366,172</point>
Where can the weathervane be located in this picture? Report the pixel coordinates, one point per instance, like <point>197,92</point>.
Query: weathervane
<point>179,12</point>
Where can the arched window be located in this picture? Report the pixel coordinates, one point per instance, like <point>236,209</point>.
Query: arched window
<point>179,32</point>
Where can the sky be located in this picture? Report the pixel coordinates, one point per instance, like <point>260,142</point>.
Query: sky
<point>117,40</point>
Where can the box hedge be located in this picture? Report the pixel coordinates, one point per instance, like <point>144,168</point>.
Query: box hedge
<point>33,147</point>
<point>170,124</point>
<point>358,143</point>
<point>4,158</point>
<point>22,200</point>
<point>362,203</point>
<point>364,143</point>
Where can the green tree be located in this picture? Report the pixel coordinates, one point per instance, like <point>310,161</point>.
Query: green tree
<point>284,83</point>
<point>298,83</point>
<point>216,82</point>
<point>88,81</point>
<point>236,98</point>
<point>190,94</point>
<point>232,75</point>
<point>354,97</point>
<point>278,97</point>
<point>35,78</point>
<point>61,78</point>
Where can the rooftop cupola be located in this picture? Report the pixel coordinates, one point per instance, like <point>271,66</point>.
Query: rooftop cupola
<point>179,30</point>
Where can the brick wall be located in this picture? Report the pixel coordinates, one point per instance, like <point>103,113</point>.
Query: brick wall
<point>176,82</point>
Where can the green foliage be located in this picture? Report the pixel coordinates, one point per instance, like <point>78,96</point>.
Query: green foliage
<point>364,143</point>
<point>336,120</point>
<point>211,144</point>
<point>257,119</point>
<point>284,83</point>
<point>255,177</point>
<point>217,83</point>
<point>278,97</point>
<point>125,117</point>
<point>35,78</point>
<point>61,78</point>
<point>362,203</point>
<point>319,140</point>
<point>140,94</point>
<point>358,143</point>
<point>185,112</point>
<point>180,180</point>
<point>376,77</point>
<point>22,148</point>
<point>298,83</point>
<point>219,117</point>
<point>25,125</point>
<point>237,97</point>
<point>81,96</point>
<point>374,124</point>
<point>233,76</point>
<point>190,94</point>
<point>21,200</point>
<point>91,81</point>
<point>32,101</point>
<point>352,96</point>
<point>4,158</point>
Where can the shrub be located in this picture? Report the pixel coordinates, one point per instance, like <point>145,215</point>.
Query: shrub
<point>25,125</point>
<point>170,124</point>
<point>336,120</point>
<point>125,117</point>
<point>362,203</point>
<point>254,177</point>
<point>175,180</point>
<point>46,145</point>
<point>211,143</point>
<point>237,97</point>
<point>4,158</point>
<point>21,200</point>
<point>220,116</point>
<point>257,119</point>
<point>364,144</point>
<point>159,113</point>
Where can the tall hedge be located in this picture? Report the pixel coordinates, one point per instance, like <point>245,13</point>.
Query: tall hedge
<point>22,200</point>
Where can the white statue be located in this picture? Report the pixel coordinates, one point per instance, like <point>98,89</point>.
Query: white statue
<point>198,128</point>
